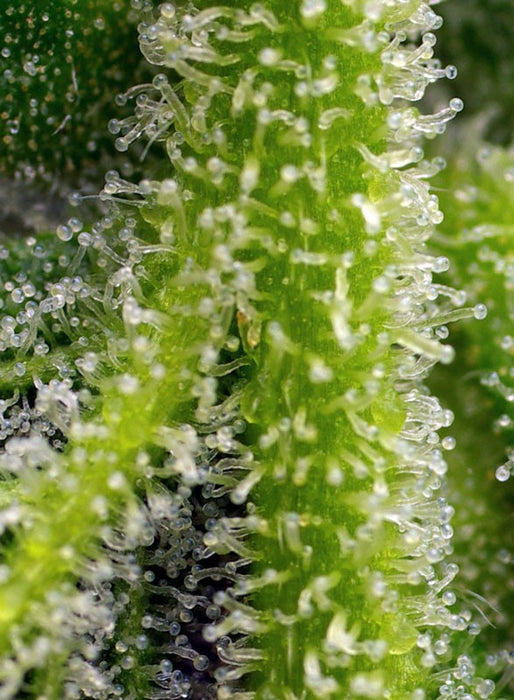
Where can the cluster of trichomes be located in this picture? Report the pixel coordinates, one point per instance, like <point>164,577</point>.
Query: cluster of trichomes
<point>476,194</point>
<point>477,197</point>
<point>221,471</point>
<point>61,64</point>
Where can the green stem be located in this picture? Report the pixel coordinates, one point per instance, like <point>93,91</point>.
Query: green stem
<point>279,275</point>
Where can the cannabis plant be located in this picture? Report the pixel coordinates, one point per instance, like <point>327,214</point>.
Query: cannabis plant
<point>223,468</point>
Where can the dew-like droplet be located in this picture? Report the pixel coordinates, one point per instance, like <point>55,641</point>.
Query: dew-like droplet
<point>503,472</point>
<point>448,443</point>
<point>64,232</point>
<point>480,311</point>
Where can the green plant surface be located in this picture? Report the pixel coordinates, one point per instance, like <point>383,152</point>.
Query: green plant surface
<point>103,455</point>
<point>222,475</point>
<point>477,235</point>
<point>61,65</point>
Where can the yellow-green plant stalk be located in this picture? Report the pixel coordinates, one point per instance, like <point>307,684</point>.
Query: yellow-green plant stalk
<point>222,471</point>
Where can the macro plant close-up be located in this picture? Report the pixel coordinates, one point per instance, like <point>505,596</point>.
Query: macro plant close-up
<point>257,389</point>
